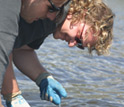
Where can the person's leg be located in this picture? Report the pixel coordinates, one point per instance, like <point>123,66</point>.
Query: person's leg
<point>10,89</point>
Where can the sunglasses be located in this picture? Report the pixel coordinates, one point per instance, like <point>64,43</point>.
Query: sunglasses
<point>79,40</point>
<point>79,43</point>
<point>53,8</point>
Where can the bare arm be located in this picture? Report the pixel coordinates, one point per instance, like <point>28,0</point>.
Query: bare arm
<point>26,61</point>
<point>9,82</point>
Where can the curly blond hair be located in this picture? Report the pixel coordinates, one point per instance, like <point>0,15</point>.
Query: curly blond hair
<point>100,17</point>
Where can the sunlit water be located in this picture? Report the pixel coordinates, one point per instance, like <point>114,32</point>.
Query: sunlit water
<point>90,81</point>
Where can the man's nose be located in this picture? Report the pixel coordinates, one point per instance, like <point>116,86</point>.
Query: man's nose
<point>51,16</point>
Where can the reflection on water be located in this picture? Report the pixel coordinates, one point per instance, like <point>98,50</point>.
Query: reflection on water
<point>89,81</point>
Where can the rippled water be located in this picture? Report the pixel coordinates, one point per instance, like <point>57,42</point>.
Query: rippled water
<point>90,81</point>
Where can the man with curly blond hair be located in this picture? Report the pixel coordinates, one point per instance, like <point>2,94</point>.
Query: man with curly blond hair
<point>99,16</point>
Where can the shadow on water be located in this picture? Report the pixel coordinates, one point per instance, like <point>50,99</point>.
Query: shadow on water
<point>89,81</point>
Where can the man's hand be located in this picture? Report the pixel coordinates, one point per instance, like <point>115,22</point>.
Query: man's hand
<point>50,89</point>
<point>15,100</point>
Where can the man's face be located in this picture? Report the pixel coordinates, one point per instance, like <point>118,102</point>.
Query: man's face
<point>80,30</point>
<point>33,10</point>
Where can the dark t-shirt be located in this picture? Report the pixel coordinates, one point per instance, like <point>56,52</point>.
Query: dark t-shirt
<point>34,34</point>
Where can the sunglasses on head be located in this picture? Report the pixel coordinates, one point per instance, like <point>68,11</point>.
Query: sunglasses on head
<point>53,8</point>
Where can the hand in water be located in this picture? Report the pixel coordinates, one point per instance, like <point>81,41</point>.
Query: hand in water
<point>52,90</point>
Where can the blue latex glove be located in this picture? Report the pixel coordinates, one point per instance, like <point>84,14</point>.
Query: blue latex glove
<point>51,90</point>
